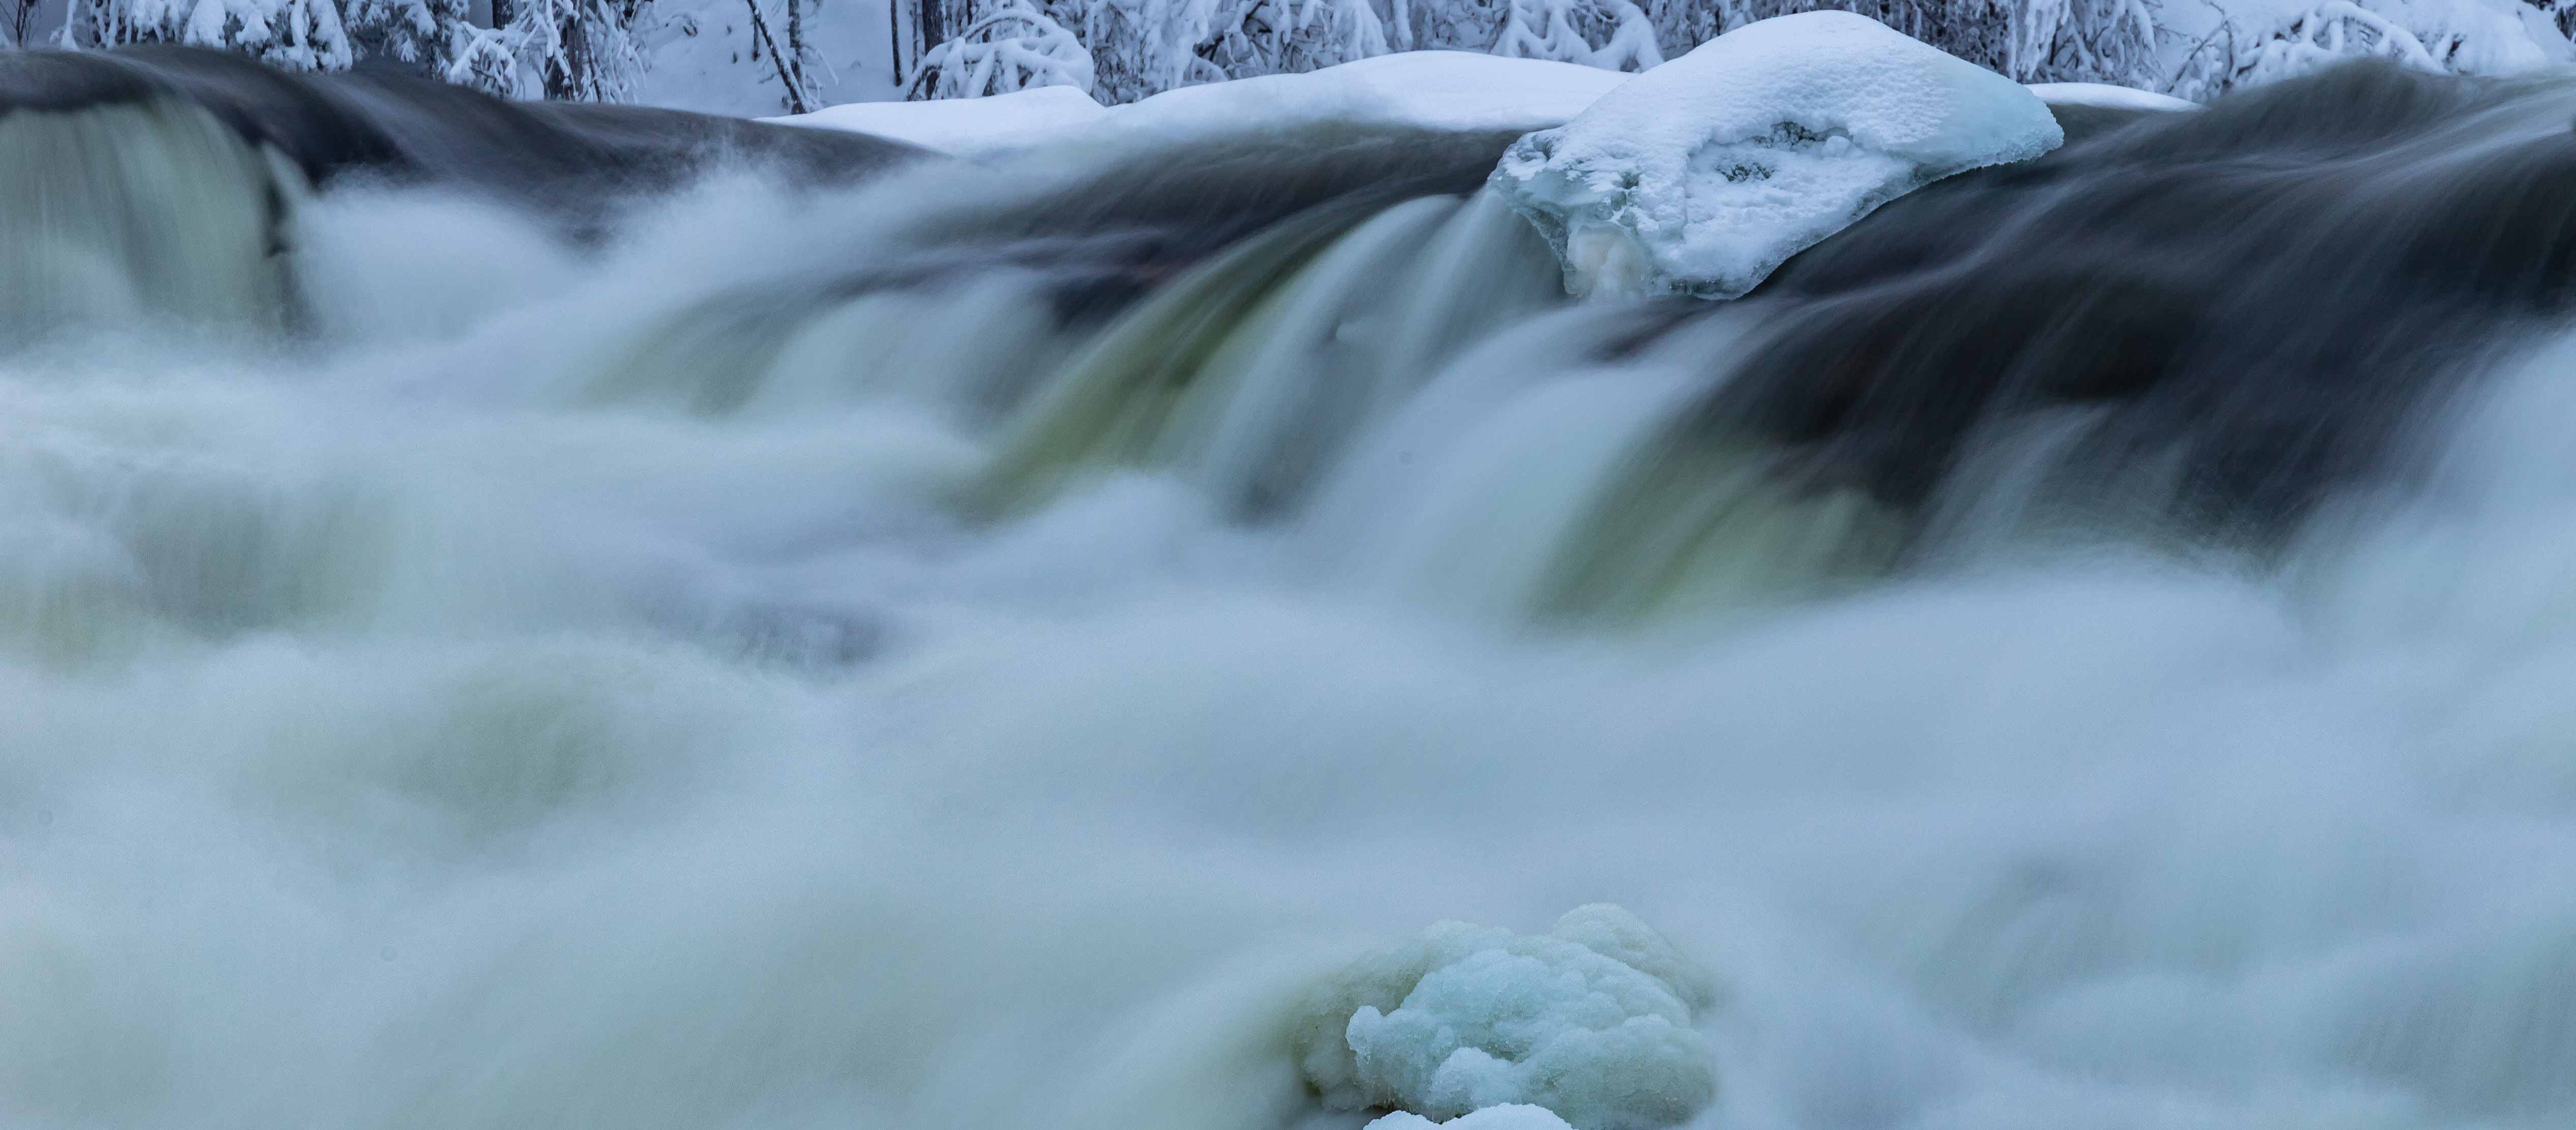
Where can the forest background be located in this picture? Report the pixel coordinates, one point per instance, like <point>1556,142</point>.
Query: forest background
<point>763,57</point>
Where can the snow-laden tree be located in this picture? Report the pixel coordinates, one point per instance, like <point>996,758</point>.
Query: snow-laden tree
<point>575,50</point>
<point>1135,48</point>
<point>1683,24</point>
<point>778,41</point>
<point>2470,37</point>
<point>437,36</point>
<point>1014,47</point>
<point>1144,47</point>
<point>16,17</point>
<point>1271,37</point>
<point>2110,41</point>
<point>295,35</point>
<point>1614,35</point>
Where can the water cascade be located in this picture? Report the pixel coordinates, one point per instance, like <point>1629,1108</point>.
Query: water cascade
<point>522,616</point>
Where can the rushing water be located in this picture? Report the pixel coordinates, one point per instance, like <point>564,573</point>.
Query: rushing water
<point>970,650</point>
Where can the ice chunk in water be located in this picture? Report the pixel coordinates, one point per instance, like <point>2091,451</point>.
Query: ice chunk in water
<point>1591,1021</point>
<point>1701,175</point>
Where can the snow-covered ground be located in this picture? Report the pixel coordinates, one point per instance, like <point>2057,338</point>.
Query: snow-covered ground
<point>1434,89</point>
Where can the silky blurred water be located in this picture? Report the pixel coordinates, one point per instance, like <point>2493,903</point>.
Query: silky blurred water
<point>426,724</point>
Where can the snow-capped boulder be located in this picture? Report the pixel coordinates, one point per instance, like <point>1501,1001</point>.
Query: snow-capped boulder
<point>1702,175</point>
<point>1591,1022</point>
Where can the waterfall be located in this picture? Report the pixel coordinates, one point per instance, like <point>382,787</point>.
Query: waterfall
<point>519,616</point>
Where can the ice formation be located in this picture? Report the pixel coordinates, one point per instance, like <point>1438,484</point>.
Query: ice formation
<point>1702,175</point>
<point>1591,1021</point>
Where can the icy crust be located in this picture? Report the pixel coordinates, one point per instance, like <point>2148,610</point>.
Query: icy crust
<point>1591,1022</point>
<point>1447,90</point>
<point>1700,176</point>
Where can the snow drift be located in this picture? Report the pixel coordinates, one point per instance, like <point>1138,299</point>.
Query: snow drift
<point>1591,1021</point>
<point>1702,175</point>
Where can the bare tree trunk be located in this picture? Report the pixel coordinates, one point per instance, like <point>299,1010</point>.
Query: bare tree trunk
<point>796,49</point>
<point>789,61</point>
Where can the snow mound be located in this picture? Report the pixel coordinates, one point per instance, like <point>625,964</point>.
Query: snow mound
<point>1514,1116</point>
<point>2107,96</point>
<point>965,126</point>
<point>1700,176</point>
<point>1449,90</point>
<point>1591,1021</point>
<point>1445,90</point>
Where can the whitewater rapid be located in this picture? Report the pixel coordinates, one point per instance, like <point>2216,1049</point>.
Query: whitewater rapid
<point>496,707</point>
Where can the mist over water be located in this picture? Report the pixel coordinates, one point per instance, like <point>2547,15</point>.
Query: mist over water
<point>636,684</point>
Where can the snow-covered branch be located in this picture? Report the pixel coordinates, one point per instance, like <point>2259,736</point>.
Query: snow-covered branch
<point>1013,48</point>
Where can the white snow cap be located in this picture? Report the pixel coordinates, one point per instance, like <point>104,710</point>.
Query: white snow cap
<point>1702,175</point>
<point>1591,1022</point>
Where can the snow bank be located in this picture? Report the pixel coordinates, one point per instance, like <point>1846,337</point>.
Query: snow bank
<point>965,126</point>
<point>1591,1021</point>
<point>2108,96</point>
<point>1454,90</point>
<point>1700,176</point>
<point>1451,90</point>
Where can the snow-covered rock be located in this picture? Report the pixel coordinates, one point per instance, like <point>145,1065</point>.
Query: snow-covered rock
<point>2108,96</point>
<point>1591,1022</point>
<point>1702,175</point>
<point>1449,90</point>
